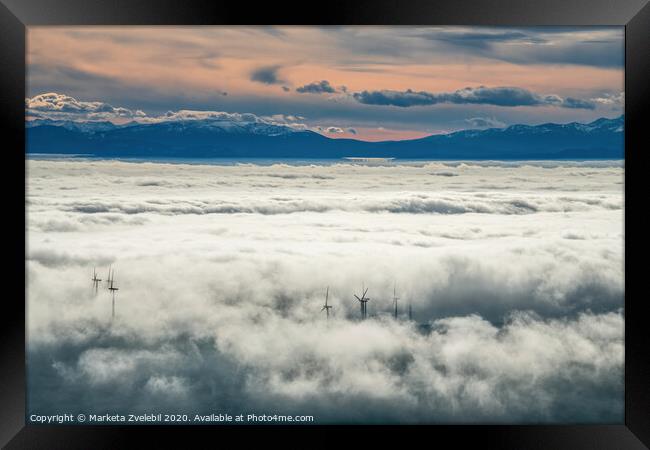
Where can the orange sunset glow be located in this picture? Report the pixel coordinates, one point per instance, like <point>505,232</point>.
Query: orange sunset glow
<point>368,83</point>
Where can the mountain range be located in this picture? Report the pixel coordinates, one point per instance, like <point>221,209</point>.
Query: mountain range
<point>210,138</point>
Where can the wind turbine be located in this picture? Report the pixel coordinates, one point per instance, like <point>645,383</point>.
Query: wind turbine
<point>327,307</point>
<point>108,279</point>
<point>395,298</point>
<point>363,300</point>
<point>95,280</point>
<point>113,288</point>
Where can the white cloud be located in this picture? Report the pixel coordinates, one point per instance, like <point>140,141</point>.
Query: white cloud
<point>485,122</point>
<point>610,99</point>
<point>59,106</point>
<point>334,130</point>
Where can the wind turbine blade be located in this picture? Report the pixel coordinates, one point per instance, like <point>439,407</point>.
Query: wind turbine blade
<point>358,298</point>
<point>364,292</point>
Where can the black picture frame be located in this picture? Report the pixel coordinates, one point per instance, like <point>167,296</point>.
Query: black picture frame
<point>16,15</point>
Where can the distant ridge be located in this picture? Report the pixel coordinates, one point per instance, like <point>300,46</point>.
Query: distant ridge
<point>208,138</point>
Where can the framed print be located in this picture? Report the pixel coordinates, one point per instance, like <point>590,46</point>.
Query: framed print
<point>391,218</point>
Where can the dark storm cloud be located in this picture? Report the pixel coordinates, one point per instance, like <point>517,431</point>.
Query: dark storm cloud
<point>497,96</point>
<point>266,75</point>
<point>317,87</point>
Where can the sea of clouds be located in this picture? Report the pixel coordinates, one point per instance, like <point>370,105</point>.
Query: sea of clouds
<point>514,272</point>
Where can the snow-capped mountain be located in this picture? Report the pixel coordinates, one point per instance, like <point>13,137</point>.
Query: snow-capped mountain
<point>599,125</point>
<point>602,138</point>
<point>180,126</point>
<point>225,126</point>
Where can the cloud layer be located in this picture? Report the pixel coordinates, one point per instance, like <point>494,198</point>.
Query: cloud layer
<point>514,273</point>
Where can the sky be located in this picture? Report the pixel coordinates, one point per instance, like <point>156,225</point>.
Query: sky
<point>361,82</point>
<point>516,268</point>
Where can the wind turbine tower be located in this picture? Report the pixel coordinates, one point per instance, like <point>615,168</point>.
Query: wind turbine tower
<point>113,288</point>
<point>363,300</point>
<point>109,279</point>
<point>395,298</point>
<point>95,280</point>
<point>327,307</point>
